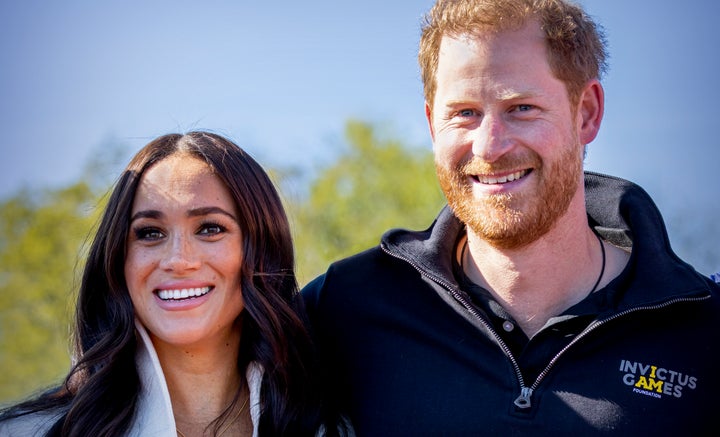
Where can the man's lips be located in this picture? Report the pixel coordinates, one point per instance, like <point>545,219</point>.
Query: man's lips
<point>502,179</point>
<point>182,293</point>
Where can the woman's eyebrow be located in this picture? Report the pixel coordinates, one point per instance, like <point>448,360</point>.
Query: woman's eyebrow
<point>207,210</point>
<point>195,212</point>
<point>150,213</point>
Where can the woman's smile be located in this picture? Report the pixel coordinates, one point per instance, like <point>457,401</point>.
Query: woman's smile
<point>184,253</point>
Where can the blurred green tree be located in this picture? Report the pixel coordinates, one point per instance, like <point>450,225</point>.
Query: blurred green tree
<point>44,235</point>
<point>374,184</point>
<point>41,240</point>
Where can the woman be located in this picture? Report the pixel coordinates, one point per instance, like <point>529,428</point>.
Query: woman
<point>188,319</point>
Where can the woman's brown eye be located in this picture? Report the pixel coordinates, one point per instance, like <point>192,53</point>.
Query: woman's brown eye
<point>148,234</point>
<point>211,229</point>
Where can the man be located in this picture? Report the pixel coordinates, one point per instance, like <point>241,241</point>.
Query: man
<point>542,300</point>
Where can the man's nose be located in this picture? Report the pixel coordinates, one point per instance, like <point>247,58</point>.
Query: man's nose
<point>490,138</point>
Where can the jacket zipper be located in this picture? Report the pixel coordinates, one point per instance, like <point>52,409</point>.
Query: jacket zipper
<point>524,399</point>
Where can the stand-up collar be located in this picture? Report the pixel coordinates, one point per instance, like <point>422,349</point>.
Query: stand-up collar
<point>623,214</point>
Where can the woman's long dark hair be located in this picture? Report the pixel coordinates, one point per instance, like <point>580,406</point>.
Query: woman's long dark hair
<point>100,394</point>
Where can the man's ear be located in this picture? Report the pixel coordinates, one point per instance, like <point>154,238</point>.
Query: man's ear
<point>428,116</point>
<point>591,106</point>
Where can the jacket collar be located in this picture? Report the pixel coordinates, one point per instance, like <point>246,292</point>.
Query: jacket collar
<point>624,214</point>
<point>153,414</point>
<point>621,211</point>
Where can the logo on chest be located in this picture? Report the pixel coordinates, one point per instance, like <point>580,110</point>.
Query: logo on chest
<point>655,381</point>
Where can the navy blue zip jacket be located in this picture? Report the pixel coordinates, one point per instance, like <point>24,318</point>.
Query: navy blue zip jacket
<point>409,351</point>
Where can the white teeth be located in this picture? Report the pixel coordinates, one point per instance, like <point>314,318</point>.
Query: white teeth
<point>491,180</point>
<point>182,293</point>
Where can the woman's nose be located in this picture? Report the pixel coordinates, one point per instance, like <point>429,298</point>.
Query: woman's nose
<point>181,255</point>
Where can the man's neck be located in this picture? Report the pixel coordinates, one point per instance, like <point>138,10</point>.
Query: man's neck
<point>540,280</point>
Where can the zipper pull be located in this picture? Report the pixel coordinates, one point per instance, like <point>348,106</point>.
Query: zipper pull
<point>523,401</point>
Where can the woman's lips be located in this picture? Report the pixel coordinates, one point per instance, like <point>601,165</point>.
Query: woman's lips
<point>182,293</point>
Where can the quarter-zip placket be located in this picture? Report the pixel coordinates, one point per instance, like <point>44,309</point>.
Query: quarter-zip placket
<point>524,399</point>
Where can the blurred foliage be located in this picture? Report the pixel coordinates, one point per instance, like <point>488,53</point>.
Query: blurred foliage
<point>374,185</point>
<point>41,240</point>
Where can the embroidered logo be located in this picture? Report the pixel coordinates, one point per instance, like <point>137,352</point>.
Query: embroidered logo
<point>655,381</point>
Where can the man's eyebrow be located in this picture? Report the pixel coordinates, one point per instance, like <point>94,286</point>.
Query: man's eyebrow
<point>503,95</point>
<point>509,94</point>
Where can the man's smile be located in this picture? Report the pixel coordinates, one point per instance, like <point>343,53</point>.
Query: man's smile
<point>494,179</point>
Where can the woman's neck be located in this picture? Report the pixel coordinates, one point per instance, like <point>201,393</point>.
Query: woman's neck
<point>202,379</point>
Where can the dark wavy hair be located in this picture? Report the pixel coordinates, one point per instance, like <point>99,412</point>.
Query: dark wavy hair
<point>100,394</point>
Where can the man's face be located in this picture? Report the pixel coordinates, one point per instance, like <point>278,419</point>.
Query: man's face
<point>507,152</point>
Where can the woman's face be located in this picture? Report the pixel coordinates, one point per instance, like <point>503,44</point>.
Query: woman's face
<point>184,252</point>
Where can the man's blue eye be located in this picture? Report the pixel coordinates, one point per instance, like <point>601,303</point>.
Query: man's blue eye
<point>467,113</point>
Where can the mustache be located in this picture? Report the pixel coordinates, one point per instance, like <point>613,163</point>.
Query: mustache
<point>475,165</point>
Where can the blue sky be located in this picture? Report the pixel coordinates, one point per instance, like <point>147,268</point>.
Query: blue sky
<point>280,78</point>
